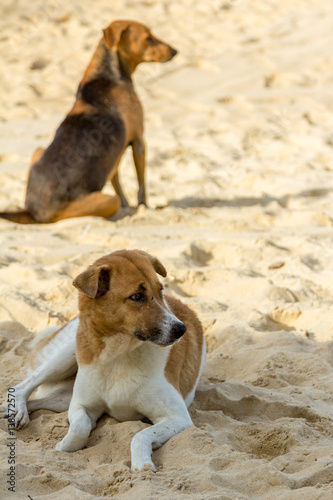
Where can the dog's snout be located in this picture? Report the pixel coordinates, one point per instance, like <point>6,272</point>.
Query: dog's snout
<point>173,52</point>
<point>178,329</point>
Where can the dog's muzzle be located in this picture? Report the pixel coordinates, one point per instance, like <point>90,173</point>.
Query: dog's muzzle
<point>163,336</point>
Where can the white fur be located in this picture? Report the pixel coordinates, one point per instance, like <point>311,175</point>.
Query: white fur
<point>64,340</point>
<point>127,381</point>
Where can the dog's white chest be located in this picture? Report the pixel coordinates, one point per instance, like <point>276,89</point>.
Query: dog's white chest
<point>122,406</point>
<point>120,395</point>
<point>121,384</point>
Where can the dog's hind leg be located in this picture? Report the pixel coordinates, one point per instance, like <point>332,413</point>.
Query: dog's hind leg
<point>23,216</point>
<point>58,400</point>
<point>58,365</point>
<point>97,204</point>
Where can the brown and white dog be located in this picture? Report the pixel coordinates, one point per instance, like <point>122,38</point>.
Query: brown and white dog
<point>137,353</point>
<point>65,180</point>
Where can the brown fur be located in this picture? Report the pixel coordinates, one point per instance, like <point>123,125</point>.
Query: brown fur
<point>112,280</point>
<point>66,178</point>
<point>182,369</point>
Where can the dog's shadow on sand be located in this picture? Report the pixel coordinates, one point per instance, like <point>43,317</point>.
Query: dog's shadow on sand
<point>124,212</point>
<point>201,202</point>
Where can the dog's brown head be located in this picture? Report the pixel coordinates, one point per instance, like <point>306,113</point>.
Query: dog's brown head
<point>121,293</point>
<point>135,43</point>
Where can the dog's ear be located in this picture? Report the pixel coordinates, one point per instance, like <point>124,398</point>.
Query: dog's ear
<point>94,282</point>
<point>113,33</point>
<point>159,268</point>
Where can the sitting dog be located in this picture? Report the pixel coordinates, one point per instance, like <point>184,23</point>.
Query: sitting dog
<point>66,179</point>
<point>137,353</point>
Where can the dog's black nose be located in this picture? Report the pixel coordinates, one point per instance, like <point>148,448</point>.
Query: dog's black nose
<point>178,329</point>
<point>173,52</point>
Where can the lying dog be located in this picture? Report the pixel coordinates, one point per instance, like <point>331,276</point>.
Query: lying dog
<point>139,354</point>
<point>66,179</point>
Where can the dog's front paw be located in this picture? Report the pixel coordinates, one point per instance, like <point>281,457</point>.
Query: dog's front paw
<point>138,463</point>
<point>64,445</point>
<point>58,446</point>
<point>69,444</point>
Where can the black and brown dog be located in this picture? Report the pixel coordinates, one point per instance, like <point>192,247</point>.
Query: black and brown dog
<point>66,179</point>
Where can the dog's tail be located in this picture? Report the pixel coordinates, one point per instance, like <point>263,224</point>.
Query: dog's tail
<point>20,216</point>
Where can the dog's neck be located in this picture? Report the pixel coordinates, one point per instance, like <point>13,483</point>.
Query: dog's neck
<point>90,345</point>
<point>126,64</point>
<point>108,65</point>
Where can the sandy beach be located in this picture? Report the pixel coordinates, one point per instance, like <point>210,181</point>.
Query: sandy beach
<point>239,133</point>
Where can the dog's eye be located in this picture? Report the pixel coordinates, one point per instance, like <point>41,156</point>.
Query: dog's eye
<point>137,297</point>
<point>150,40</point>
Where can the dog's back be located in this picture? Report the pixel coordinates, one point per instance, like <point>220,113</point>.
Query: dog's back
<point>77,162</point>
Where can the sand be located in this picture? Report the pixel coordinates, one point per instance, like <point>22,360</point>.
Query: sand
<point>239,129</point>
